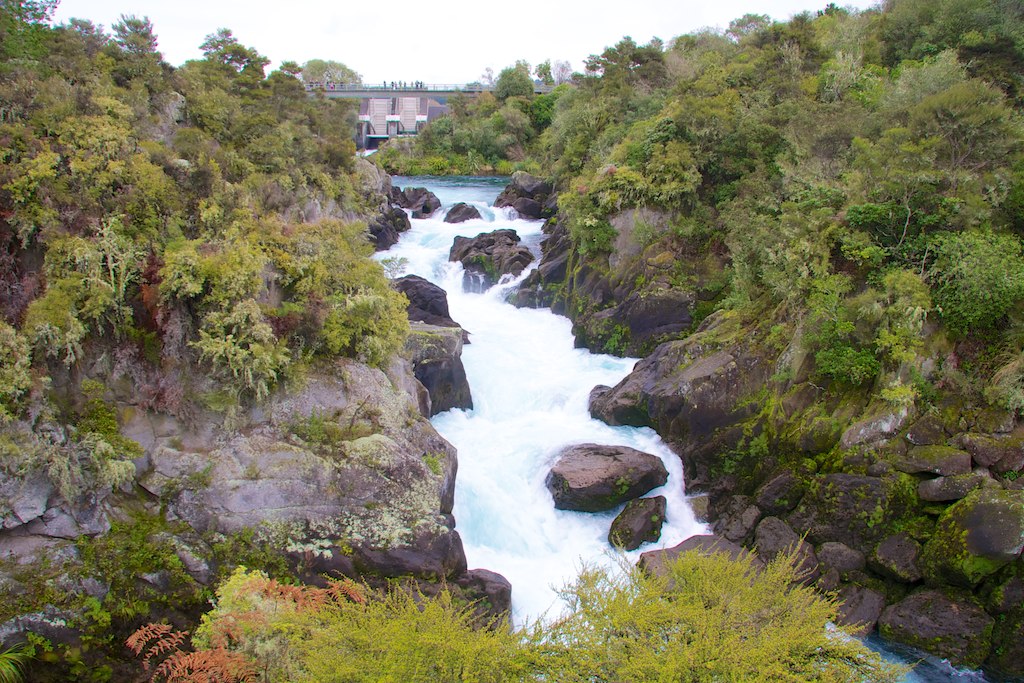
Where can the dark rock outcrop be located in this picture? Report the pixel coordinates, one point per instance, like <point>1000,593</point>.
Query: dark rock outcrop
<point>386,227</point>
<point>860,608</point>
<point>840,557</point>
<point>941,460</point>
<point>956,628</point>
<point>638,523</point>
<point>530,196</point>
<point>461,212</point>
<point>656,561</point>
<point>488,256</point>
<point>896,558</point>
<point>773,536</point>
<point>593,478</point>
<point>436,355</point>
<point>428,303</point>
<point>840,507</point>
<point>419,200</point>
<point>975,537</point>
<point>691,395</point>
<point>955,487</point>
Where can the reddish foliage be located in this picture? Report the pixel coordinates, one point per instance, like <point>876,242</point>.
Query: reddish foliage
<point>178,666</point>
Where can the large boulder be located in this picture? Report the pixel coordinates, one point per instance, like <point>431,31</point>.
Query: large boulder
<point>851,508</point>
<point>1000,453</point>
<point>896,558</point>
<point>773,536</point>
<point>975,537</point>
<point>691,393</point>
<point>436,355</point>
<point>656,562</point>
<point>420,201</point>
<point>428,303</point>
<point>638,523</point>
<point>859,608</point>
<point>951,627</point>
<point>942,460</point>
<point>488,256</point>
<point>593,478</point>
<point>343,467</point>
<point>387,225</point>
<point>461,212</point>
<point>530,196</point>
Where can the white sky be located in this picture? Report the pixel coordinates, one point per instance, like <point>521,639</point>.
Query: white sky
<point>439,41</point>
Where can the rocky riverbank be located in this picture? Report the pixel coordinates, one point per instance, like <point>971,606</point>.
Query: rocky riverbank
<point>915,516</point>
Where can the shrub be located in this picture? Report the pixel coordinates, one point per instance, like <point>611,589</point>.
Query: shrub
<point>15,375</point>
<point>976,278</point>
<point>241,346</point>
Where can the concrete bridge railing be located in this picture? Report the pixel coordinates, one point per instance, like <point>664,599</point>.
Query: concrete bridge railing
<point>362,90</point>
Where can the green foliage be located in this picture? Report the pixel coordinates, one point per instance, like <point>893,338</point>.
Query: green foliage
<point>976,278</point>
<point>514,81</point>
<point>141,546</point>
<point>15,376</point>
<point>704,619</point>
<point>13,661</point>
<point>242,348</point>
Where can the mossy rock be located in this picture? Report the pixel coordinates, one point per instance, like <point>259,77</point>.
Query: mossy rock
<point>947,625</point>
<point>941,460</point>
<point>975,537</point>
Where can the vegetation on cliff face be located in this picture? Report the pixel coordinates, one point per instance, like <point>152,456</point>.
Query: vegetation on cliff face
<point>172,240</point>
<point>813,230</point>
<point>176,213</point>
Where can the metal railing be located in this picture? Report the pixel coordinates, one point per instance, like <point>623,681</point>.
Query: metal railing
<point>404,87</point>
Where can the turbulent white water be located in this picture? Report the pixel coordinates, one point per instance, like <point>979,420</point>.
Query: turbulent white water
<point>530,390</point>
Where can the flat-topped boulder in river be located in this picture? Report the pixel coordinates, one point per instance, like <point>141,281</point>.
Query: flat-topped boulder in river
<point>461,212</point>
<point>593,478</point>
<point>421,201</point>
<point>488,256</point>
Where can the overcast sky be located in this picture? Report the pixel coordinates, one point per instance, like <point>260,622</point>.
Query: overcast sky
<point>443,41</point>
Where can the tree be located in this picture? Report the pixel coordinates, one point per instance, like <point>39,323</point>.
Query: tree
<point>514,81</point>
<point>543,72</point>
<point>222,47</point>
<point>22,25</point>
<point>135,36</point>
<point>327,71</point>
<point>562,72</point>
<point>747,25</point>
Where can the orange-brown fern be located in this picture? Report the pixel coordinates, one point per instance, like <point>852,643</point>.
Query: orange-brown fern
<point>218,664</point>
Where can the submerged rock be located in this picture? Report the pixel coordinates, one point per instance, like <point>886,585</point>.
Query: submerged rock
<point>638,523</point>
<point>593,478</point>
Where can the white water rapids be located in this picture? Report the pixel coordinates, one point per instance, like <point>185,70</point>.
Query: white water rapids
<point>530,392</point>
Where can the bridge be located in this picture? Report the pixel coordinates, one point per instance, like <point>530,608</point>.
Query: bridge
<point>399,109</point>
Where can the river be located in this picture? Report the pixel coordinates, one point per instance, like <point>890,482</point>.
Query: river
<point>530,390</point>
